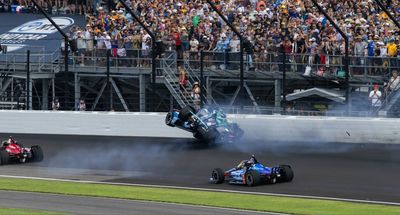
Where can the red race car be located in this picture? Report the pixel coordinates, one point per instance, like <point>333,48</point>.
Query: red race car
<point>12,151</point>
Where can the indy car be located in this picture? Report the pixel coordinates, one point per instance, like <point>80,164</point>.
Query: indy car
<point>252,173</point>
<point>209,125</point>
<point>12,151</point>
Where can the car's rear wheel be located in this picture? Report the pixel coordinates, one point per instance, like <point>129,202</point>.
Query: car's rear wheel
<point>186,113</point>
<point>218,176</point>
<point>168,119</point>
<point>286,172</point>
<point>37,153</point>
<point>253,178</point>
<point>4,158</point>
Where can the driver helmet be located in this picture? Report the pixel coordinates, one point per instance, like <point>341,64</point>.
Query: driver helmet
<point>242,164</point>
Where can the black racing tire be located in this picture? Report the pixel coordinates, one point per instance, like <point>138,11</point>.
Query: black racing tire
<point>168,119</point>
<point>286,172</point>
<point>209,135</point>
<point>37,153</point>
<point>197,135</point>
<point>252,178</point>
<point>4,158</point>
<point>218,176</point>
<point>186,113</point>
<point>273,180</point>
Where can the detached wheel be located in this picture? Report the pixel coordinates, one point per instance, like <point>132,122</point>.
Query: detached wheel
<point>186,113</point>
<point>37,153</point>
<point>253,178</point>
<point>168,119</point>
<point>4,158</point>
<point>286,173</point>
<point>218,176</point>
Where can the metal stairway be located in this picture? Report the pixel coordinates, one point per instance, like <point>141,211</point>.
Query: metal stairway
<point>171,81</point>
<point>193,77</point>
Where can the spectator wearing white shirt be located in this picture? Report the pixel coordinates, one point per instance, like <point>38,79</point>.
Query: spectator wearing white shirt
<point>375,96</point>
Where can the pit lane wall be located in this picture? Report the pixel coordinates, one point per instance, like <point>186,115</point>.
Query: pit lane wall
<point>256,127</point>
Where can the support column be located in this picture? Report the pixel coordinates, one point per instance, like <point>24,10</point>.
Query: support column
<point>53,89</point>
<point>171,102</point>
<point>209,90</point>
<point>277,93</point>
<point>30,94</point>
<point>77,90</point>
<point>142,93</point>
<point>45,94</point>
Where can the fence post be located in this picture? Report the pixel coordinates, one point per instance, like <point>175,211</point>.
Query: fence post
<point>28,78</point>
<point>202,92</point>
<point>283,80</point>
<point>109,89</point>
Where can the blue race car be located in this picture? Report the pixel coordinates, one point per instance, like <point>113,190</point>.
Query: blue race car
<point>208,125</point>
<point>252,173</point>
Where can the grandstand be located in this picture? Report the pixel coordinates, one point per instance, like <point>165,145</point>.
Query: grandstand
<point>288,38</point>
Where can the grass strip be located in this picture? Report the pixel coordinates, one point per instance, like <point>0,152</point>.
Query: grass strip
<point>21,211</point>
<point>207,198</point>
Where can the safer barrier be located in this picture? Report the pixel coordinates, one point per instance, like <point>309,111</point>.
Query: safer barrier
<point>256,127</point>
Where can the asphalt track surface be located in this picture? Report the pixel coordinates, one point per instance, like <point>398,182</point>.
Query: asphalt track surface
<point>104,206</point>
<point>351,171</point>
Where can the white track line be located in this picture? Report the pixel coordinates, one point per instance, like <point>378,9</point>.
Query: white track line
<point>207,189</point>
<point>155,202</point>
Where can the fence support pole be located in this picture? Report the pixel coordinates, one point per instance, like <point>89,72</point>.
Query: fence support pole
<point>28,79</point>
<point>202,83</point>
<point>284,81</point>
<point>109,89</point>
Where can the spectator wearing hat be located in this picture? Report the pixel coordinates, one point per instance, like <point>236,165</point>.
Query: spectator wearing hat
<point>195,94</point>
<point>394,82</point>
<point>194,51</point>
<point>375,96</point>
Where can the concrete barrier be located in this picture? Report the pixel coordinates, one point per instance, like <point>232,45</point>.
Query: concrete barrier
<point>256,127</point>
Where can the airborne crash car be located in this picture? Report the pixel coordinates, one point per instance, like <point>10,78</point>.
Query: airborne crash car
<point>252,173</point>
<point>208,125</point>
<point>12,151</point>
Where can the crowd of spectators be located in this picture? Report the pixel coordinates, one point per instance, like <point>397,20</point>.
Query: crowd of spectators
<point>293,26</point>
